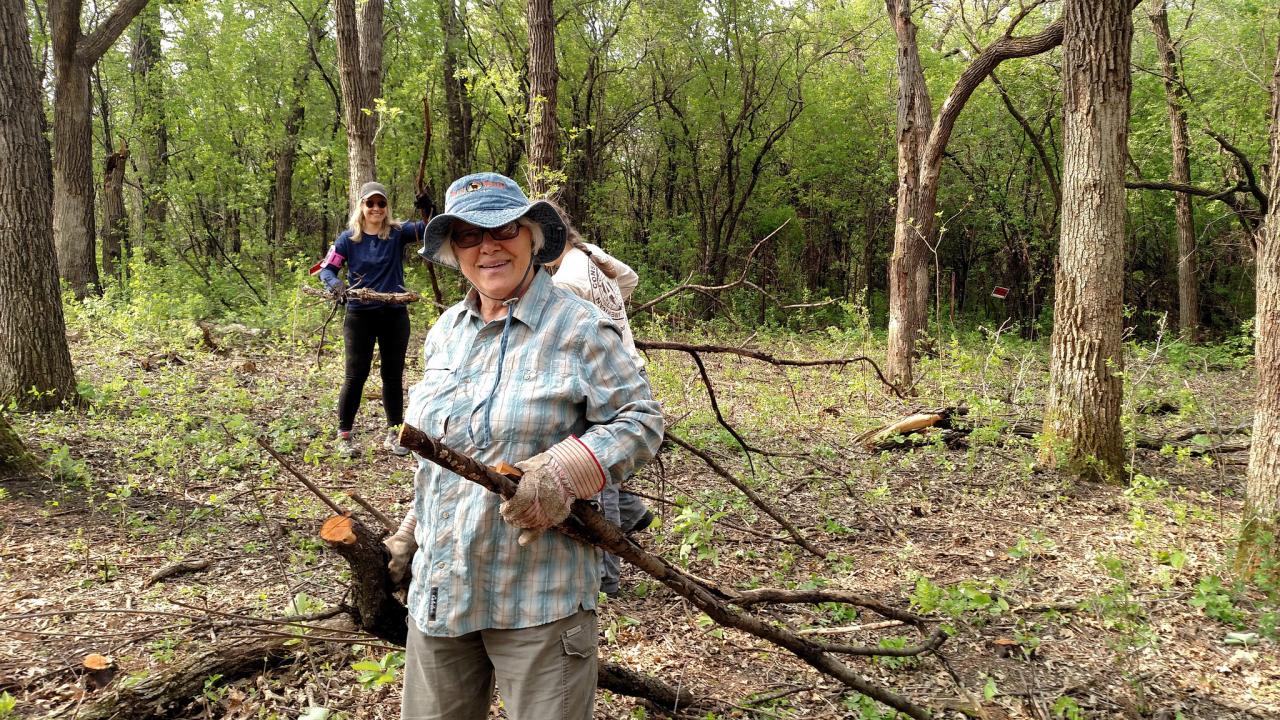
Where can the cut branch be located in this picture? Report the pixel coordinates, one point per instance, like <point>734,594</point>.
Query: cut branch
<point>368,295</point>
<point>764,357</point>
<point>586,523</point>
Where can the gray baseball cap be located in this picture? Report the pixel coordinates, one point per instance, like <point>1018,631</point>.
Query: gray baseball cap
<point>370,189</point>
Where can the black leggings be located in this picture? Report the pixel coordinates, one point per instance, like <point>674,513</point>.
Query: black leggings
<point>389,327</point>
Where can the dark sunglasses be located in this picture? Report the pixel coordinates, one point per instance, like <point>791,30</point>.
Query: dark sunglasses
<point>375,203</point>
<point>472,237</point>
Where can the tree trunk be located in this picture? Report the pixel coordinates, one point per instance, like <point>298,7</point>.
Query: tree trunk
<point>1188,290</point>
<point>73,55</point>
<point>282,197</point>
<point>231,230</point>
<point>543,126</point>
<point>33,340</point>
<point>73,222</point>
<point>457,103</point>
<point>1082,418</point>
<point>152,131</point>
<point>115,223</point>
<point>359,45</point>
<point>13,455</point>
<point>1262,485</point>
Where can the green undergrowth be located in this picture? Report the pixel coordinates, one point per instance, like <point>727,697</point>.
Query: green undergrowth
<point>164,451</point>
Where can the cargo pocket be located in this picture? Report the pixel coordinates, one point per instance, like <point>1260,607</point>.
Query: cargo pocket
<point>579,641</point>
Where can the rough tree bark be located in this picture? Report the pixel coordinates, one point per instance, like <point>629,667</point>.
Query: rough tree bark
<point>13,454</point>
<point>457,103</point>
<point>359,44</point>
<point>33,340</point>
<point>152,145</point>
<point>74,54</point>
<point>921,144</point>
<point>1262,484</point>
<point>543,76</point>
<point>1188,290</point>
<point>115,223</point>
<point>1082,417</point>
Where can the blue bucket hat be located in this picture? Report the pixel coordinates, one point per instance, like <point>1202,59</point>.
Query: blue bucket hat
<point>490,200</point>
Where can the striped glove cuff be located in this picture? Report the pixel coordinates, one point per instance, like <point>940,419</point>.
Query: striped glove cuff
<point>581,471</point>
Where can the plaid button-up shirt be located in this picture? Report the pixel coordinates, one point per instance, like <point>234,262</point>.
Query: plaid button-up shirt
<point>566,372</point>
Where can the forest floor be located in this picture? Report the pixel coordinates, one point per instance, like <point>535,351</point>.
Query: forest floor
<point>1065,600</point>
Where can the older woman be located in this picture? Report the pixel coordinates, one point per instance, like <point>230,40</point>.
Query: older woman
<point>519,370</point>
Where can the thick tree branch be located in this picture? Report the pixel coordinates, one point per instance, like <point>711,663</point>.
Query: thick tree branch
<point>92,46</point>
<point>1250,177</point>
<point>1003,49</point>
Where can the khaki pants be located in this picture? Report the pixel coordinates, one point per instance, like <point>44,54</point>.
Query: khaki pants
<point>546,672</point>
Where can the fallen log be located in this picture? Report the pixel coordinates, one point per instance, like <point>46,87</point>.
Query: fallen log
<point>898,433</point>
<point>917,429</point>
<point>178,568</point>
<point>161,695</point>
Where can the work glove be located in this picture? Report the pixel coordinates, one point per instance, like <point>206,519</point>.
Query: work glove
<point>425,205</point>
<point>551,482</point>
<point>401,546</point>
<point>338,290</point>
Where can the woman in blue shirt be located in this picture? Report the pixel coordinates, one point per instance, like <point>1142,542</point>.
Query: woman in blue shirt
<point>372,249</point>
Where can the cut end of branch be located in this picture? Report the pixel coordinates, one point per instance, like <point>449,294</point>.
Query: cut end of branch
<point>94,661</point>
<point>338,530</point>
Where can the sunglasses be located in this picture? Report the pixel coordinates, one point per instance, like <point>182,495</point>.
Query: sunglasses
<point>472,237</point>
<point>375,203</point>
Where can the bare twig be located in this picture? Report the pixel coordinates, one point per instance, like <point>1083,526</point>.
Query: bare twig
<point>710,290</point>
<point>931,643</point>
<point>301,478</point>
<point>752,495</point>
<point>387,522</point>
<point>765,357</point>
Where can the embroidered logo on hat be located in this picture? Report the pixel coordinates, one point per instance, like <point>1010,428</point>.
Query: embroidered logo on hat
<point>477,185</point>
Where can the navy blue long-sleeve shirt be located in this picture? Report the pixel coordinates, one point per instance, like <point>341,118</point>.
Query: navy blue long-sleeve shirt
<point>372,263</point>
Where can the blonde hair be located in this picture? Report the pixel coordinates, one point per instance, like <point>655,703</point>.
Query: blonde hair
<point>355,223</point>
<point>444,254</point>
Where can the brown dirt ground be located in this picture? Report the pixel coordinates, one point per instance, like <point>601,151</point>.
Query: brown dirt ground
<point>149,477</point>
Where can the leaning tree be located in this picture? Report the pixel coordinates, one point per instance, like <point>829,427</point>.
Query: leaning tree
<point>922,144</point>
